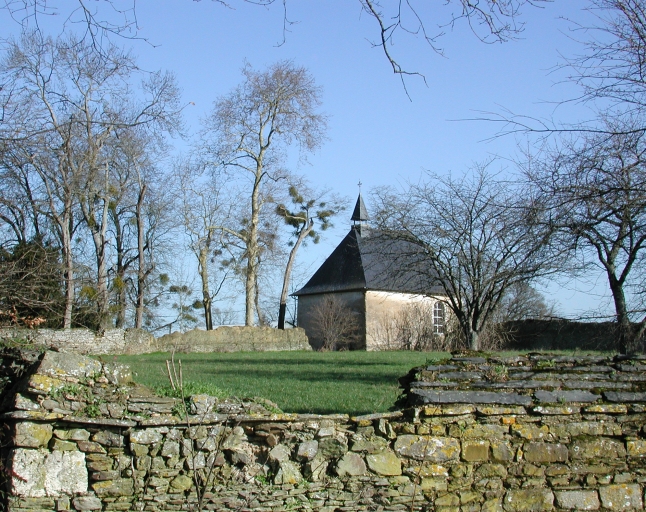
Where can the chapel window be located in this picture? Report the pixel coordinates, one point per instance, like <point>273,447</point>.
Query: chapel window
<point>439,318</point>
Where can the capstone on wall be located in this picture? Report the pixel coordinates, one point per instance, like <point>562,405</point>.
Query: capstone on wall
<point>517,434</point>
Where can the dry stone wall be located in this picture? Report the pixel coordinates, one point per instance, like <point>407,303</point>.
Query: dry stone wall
<point>139,341</point>
<point>528,433</point>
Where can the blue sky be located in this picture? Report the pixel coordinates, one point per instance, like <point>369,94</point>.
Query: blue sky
<point>377,134</point>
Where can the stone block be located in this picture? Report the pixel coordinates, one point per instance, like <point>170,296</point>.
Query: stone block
<point>475,450</point>
<point>432,449</point>
<point>372,444</point>
<point>636,448</point>
<point>38,473</point>
<point>424,396</point>
<point>62,503</point>
<point>385,463</point>
<point>493,410</point>
<point>528,500</point>
<point>107,438</point>
<point>556,410</point>
<point>492,505</point>
<point>448,410</point>
<point>618,396</point>
<point>83,503</point>
<point>90,447</point>
<point>577,500</point>
<point>621,497</point>
<point>433,484</point>
<point>529,431</point>
<point>429,470</point>
<point>32,435</point>
<point>307,450</point>
<point>607,408</point>
<point>332,447</point>
<point>288,473</point>
<point>117,374</point>
<point>60,365</point>
<point>114,488</point>
<point>73,434</point>
<point>596,448</point>
<point>279,453</point>
<point>146,436</point>
<point>545,452</point>
<point>577,396</point>
<point>316,469</point>
<point>448,500</point>
<point>501,451</point>
<point>478,431</point>
<point>351,464</point>
<point>59,445</point>
<point>170,449</point>
<point>23,403</point>
<point>587,428</point>
<point>491,471</point>
<point>181,483</point>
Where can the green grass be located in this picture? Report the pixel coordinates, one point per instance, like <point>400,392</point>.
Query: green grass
<point>301,382</point>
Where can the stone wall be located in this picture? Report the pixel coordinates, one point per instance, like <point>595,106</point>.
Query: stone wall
<point>526,433</point>
<point>138,341</point>
<point>84,341</point>
<point>234,339</point>
<point>560,334</point>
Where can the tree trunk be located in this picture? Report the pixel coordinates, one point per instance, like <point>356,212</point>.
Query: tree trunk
<point>253,250</point>
<point>99,238</point>
<point>288,272</point>
<point>68,262</point>
<point>203,269</point>
<point>120,280</point>
<point>624,329</point>
<point>474,341</point>
<point>141,261</point>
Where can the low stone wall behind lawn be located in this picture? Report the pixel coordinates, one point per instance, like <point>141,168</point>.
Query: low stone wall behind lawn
<point>138,341</point>
<point>529,433</point>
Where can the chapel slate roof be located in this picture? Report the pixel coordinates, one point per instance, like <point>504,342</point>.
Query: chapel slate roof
<point>366,261</point>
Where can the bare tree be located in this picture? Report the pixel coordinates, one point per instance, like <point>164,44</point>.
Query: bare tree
<point>73,102</point>
<point>491,21</point>
<point>523,302</point>
<point>30,284</point>
<point>337,327</point>
<point>610,72</point>
<point>308,208</point>
<point>595,188</point>
<point>246,134</point>
<point>613,64</point>
<point>203,211</point>
<point>475,237</point>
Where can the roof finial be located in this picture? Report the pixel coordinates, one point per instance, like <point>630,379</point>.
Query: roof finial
<point>360,186</point>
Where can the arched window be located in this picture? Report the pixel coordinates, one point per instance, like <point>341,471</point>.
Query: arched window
<point>439,318</point>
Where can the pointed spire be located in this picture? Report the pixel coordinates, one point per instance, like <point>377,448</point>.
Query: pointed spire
<point>360,214</point>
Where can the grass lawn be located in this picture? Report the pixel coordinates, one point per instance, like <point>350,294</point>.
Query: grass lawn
<point>301,382</point>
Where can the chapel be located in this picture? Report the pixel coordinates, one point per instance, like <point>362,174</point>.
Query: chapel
<point>371,282</point>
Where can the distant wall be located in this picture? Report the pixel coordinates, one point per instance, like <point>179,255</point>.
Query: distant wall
<point>516,434</point>
<point>85,341</point>
<point>564,335</point>
<point>138,341</point>
<point>234,339</point>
